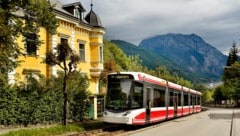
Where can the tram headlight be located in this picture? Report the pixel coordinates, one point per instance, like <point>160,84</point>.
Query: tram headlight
<point>125,114</point>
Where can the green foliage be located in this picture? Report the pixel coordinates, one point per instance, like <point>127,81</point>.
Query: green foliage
<point>8,103</point>
<point>219,95</point>
<point>40,101</point>
<point>231,78</point>
<point>79,106</point>
<point>55,130</point>
<point>113,53</point>
<point>207,96</point>
<point>233,55</point>
<point>231,72</point>
<point>135,64</point>
<point>232,88</point>
<point>67,60</point>
<point>116,60</point>
<point>79,103</point>
<point>153,60</point>
<point>30,103</point>
<point>19,18</point>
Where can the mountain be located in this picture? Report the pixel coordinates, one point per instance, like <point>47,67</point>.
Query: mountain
<point>189,51</point>
<point>152,60</point>
<point>149,58</point>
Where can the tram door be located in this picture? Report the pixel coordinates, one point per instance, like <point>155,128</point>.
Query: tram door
<point>148,104</point>
<point>175,103</point>
<point>193,103</point>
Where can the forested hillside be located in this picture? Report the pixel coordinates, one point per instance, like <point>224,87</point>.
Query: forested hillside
<point>153,60</point>
<point>115,59</point>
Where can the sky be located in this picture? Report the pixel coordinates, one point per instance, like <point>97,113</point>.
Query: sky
<point>216,21</point>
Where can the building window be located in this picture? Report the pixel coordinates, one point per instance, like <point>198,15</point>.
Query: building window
<point>77,13</point>
<point>82,52</point>
<point>101,54</point>
<point>63,41</point>
<point>31,44</point>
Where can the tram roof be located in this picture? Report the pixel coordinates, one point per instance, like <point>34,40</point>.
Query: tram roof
<point>175,86</point>
<point>145,77</point>
<point>155,80</point>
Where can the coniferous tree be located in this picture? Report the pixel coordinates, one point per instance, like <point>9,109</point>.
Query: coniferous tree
<point>233,55</point>
<point>231,74</point>
<point>232,58</point>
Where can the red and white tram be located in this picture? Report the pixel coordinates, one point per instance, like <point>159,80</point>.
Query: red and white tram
<point>137,98</point>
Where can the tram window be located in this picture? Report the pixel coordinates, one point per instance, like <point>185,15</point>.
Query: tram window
<point>179,99</point>
<point>185,99</point>
<point>137,96</point>
<point>159,98</point>
<point>171,99</point>
<point>197,100</point>
<point>194,100</point>
<point>191,99</point>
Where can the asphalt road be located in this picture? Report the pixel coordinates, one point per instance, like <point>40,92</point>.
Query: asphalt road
<point>213,122</point>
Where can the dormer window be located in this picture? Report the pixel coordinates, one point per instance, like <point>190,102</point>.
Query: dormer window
<point>77,13</point>
<point>76,9</point>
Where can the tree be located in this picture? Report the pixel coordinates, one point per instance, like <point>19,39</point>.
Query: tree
<point>19,17</point>
<point>218,95</point>
<point>231,75</point>
<point>231,72</point>
<point>109,67</point>
<point>67,60</point>
<point>207,96</point>
<point>231,80</point>
<point>233,55</point>
<point>78,95</point>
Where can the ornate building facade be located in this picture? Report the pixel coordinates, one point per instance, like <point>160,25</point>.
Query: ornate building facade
<point>83,34</point>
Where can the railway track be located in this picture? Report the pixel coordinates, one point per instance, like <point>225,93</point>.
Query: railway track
<point>109,130</point>
<point>117,130</point>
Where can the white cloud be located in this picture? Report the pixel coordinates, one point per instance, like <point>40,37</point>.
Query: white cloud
<point>217,21</point>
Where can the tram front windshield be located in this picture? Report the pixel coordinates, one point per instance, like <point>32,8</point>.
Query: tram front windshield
<point>119,97</point>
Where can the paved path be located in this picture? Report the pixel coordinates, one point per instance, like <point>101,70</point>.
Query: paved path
<point>213,122</point>
<point>236,123</point>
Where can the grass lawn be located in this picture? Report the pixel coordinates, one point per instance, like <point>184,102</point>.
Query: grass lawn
<point>55,130</point>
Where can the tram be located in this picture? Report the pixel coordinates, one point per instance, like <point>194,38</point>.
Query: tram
<point>137,98</point>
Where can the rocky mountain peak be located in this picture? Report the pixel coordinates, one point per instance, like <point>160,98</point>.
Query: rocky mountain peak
<point>189,51</point>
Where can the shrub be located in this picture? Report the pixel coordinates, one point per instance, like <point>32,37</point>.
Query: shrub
<point>39,101</point>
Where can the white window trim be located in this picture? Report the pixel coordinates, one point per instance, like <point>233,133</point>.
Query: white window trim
<point>84,43</point>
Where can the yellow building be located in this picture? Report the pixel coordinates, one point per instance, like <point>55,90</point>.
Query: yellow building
<point>83,34</point>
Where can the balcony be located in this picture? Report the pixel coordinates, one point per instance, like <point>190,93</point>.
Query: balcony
<point>96,69</point>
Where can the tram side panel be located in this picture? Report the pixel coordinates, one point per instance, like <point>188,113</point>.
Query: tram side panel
<point>158,109</point>
<point>159,102</point>
<point>179,108</point>
<point>185,104</point>
<point>154,109</point>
